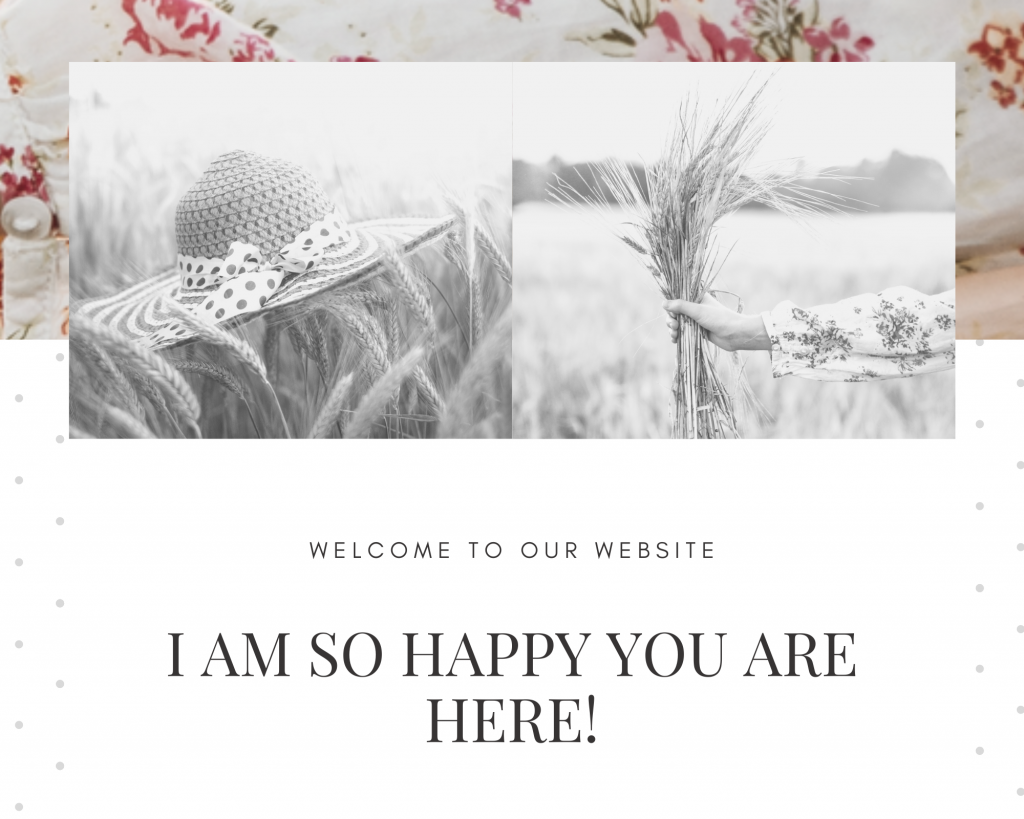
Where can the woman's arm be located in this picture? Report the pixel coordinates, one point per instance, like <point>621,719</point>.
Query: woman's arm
<point>896,333</point>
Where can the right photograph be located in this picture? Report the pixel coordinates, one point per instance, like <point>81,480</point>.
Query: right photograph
<point>734,251</point>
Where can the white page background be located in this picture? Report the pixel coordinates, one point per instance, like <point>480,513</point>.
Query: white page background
<point>881,538</point>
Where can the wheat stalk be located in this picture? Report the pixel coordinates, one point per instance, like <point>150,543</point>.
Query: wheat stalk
<point>381,394</point>
<point>147,364</point>
<point>241,350</point>
<point>271,339</point>
<point>126,424</point>
<point>122,383</point>
<point>212,334</point>
<point>214,373</point>
<point>493,252</point>
<point>412,295</point>
<point>318,343</point>
<point>332,407</point>
<point>366,331</point>
<point>220,376</point>
<point>471,385</point>
<point>482,236</point>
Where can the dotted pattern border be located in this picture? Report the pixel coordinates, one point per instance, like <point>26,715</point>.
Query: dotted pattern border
<point>31,374</point>
<point>990,404</point>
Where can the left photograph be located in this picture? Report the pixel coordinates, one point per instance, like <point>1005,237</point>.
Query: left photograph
<point>290,251</point>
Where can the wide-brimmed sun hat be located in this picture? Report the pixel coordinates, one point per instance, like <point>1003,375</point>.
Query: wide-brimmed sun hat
<point>254,234</point>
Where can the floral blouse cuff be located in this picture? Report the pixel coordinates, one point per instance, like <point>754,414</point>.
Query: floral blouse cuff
<point>892,334</point>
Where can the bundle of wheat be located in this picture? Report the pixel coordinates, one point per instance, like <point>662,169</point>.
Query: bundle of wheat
<point>704,173</point>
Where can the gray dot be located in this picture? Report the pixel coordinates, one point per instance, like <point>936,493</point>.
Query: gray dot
<point>1020,464</point>
<point>19,644</point>
<point>1020,629</point>
<point>1020,791</point>
<point>60,766</point>
<point>18,806</point>
<point>1020,709</point>
<point>60,604</point>
<point>979,342</point>
<point>60,683</point>
<point>979,424</point>
<point>979,750</point>
<point>980,668</point>
<point>1020,547</point>
<point>979,588</point>
<point>60,356</point>
<point>60,521</point>
<point>19,724</point>
<point>1020,382</point>
<point>19,398</point>
<point>19,480</point>
<point>60,439</point>
<point>979,506</point>
<point>18,561</point>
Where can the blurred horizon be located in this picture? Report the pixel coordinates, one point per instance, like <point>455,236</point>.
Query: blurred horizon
<point>900,182</point>
<point>835,115</point>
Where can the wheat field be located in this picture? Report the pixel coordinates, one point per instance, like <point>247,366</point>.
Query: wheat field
<point>423,349</point>
<point>593,356</point>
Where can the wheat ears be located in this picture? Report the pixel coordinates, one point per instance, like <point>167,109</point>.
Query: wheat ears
<point>421,349</point>
<point>705,172</point>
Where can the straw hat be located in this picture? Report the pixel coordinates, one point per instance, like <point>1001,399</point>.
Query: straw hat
<point>255,234</point>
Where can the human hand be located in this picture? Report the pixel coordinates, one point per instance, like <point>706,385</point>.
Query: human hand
<point>726,329</point>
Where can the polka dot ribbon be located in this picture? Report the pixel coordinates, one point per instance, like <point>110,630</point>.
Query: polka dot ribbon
<point>219,289</point>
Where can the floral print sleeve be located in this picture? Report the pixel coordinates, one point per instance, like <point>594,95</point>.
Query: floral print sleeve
<point>893,334</point>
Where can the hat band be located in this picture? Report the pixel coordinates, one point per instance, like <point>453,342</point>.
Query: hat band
<point>219,289</point>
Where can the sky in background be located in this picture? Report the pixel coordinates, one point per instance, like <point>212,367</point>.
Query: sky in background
<point>438,120</point>
<point>826,113</point>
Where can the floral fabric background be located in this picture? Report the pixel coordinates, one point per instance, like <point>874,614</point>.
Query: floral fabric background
<point>33,162</point>
<point>985,39</point>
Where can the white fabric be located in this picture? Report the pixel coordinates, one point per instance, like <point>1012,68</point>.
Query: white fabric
<point>35,289</point>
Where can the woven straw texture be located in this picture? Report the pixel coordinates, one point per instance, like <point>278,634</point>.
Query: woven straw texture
<point>246,197</point>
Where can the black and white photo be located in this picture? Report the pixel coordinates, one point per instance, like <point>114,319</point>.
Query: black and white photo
<point>792,226</point>
<point>291,251</point>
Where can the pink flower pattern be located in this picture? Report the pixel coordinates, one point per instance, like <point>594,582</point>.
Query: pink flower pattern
<point>21,177</point>
<point>762,30</point>
<point>511,7</point>
<point>252,48</point>
<point>1001,51</point>
<point>833,44</point>
<point>192,30</point>
<point>171,27</point>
